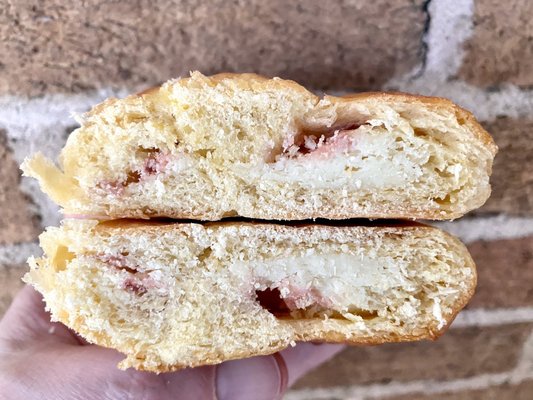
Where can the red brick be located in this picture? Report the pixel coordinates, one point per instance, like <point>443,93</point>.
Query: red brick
<point>512,178</point>
<point>460,353</point>
<point>501,48</point>
<point>16,221</point>
<point>507,391</point>
<point>64,46</point>
<point>505,273</point>
<point>11,283</point>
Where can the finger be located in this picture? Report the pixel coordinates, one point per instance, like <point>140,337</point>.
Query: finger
<point>90,372</point>
<point>86,370</point>
<point>304,357</point>
<point>186,384</point>
<point>191,384</point>
<point>260,378</point>
<point>26,318</point>
<point>100,374</point>
<point>81,340</point>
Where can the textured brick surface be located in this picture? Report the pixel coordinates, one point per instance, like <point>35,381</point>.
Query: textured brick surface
<point>10,284</point>
<point>501,48</point>
<point>459,353</point>
<point>16,223</point>
<point>505,273</point>
<point>54,46</point>
<point>512,179</point>
<point>521,391</point>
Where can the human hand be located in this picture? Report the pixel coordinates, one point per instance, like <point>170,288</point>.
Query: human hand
<point>44,360</point>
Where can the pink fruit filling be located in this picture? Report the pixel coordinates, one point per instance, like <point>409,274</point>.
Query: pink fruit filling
<point>118,261</point>
<point>287,297</point>
<point>340,139</point>
<point>155,163</point>
<point>134,281</point>
<point>341,142</point>
<point>140,283</point>
<point>300,298</point>
<point>134,286</point>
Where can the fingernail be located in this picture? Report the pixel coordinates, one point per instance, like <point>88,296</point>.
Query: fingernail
<point>260,378</point>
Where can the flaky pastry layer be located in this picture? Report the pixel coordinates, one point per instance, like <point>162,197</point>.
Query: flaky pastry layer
<point>174,295</point>
<point>243,145</point>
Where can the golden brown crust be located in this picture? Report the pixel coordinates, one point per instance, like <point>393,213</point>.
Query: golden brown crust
<point>256,81</point>
<point>323,337</point>
<point>245,81</point>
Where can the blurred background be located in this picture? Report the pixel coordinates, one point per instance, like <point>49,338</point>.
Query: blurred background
<point>59,57</point>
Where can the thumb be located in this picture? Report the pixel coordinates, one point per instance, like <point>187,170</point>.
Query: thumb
<point>267,377</point>
<point>260,378</point>
<point>307,356</point>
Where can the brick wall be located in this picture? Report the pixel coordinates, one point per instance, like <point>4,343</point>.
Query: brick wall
<point>59,58</point>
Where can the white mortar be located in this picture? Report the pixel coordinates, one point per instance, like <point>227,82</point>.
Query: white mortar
<point>41,125</point>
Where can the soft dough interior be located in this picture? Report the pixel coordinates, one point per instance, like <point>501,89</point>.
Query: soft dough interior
<point>177,295</point>
<point>211,147</point>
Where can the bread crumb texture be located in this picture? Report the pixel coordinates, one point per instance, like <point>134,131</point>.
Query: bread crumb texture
<point>240,144</point>
<point>175,295</point>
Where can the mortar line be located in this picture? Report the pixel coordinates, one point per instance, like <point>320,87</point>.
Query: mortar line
<point>524,367</point>
<point>523,371</point>
<point>489,228</point>
<point>482,317</point>
<point>450,26</point>
<point>18,253</point>
<point>402,388</point>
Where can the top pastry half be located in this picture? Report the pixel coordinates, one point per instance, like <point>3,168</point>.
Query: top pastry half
<point>243,145</point>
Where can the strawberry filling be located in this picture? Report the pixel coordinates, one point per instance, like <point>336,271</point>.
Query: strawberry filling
<point>135,281</point>
<point>340,139</point>
<point>134,286</point>
<point>281,301</point>
<point>155,163</point>
<point>341,142</point>
<point>117,187</point>
<point>301,298</point>
<point>118,262</point>
<point>140,283</point>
